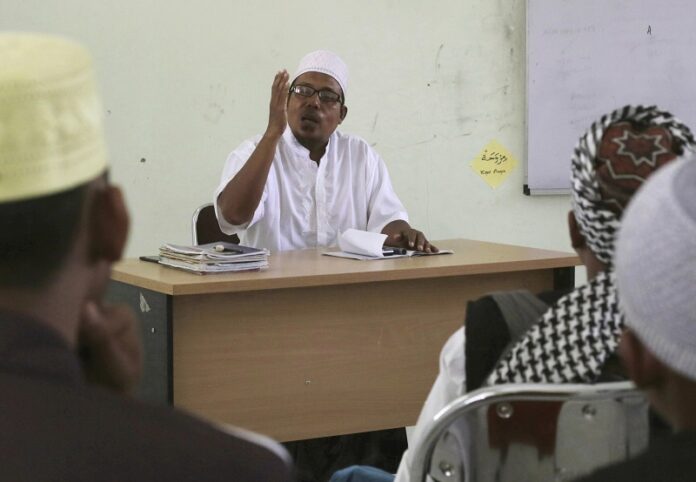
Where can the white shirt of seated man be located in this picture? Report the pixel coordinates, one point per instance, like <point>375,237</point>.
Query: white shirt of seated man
<point>448,386</point>
<point>305,204</point>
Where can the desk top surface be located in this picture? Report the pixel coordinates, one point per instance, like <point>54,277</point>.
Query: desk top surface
<point>305,268</point>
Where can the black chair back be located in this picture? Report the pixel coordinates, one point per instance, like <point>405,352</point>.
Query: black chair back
<point>205,227</point>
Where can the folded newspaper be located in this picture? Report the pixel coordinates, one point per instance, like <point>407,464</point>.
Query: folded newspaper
<point>219,257</point>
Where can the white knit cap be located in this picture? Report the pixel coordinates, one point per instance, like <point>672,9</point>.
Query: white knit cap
<point>656,265</point>
<point>327,63</point>
<point>50,117</point>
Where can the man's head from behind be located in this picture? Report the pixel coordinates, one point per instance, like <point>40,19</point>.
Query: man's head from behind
<point>53,190</point>
<point>611,161</point>
<point>316,105</point>
<point>656,280</point>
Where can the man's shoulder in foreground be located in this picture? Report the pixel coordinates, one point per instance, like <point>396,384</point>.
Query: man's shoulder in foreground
<point>59,428</point>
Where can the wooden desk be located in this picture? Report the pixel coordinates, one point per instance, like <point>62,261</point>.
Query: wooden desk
<point>317,346</point>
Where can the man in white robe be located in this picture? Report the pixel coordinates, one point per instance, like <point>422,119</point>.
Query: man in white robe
<point>302,183</point>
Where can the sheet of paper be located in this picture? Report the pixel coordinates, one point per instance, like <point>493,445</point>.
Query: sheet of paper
<point>343,254</point>
<point>494,164</point>
<point>362,242</point>
<point>409,254</point>
<point>363,245</point>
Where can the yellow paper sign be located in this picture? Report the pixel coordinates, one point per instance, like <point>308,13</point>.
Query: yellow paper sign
<point>494,164</point>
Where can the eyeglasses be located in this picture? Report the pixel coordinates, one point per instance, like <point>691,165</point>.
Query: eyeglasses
<point>326,96</point>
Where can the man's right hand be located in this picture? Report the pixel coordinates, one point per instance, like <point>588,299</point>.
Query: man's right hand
<point>242,195</point>
<point>110,346</point>
<point>278,115</point>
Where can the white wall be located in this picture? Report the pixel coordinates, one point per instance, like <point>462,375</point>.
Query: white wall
<point>431,84</point>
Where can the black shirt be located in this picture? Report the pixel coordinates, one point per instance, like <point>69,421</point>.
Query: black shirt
<point>55,427</point>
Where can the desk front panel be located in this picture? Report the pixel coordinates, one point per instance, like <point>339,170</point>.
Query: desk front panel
<point>316,361</point>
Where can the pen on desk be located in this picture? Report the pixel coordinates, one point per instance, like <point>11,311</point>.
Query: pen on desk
<point>393,251</point>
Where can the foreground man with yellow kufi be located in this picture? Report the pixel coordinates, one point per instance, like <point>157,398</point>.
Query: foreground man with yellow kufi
<point>62,225</point>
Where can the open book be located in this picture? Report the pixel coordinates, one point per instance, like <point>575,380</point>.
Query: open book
<point>364,245</point>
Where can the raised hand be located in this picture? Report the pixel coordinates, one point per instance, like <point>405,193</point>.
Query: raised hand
<point>278,112</point>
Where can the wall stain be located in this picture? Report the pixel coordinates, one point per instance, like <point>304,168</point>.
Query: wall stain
<point>215,109</point>
<point>374,123</point>
<point>504,89</point>
<point>437,56</point>
<point>213,113</point>
<point>463,134</point>
<point>424,141</point>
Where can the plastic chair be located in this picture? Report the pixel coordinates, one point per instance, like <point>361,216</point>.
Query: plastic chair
<point>532,432</point>
<point>205,228</point>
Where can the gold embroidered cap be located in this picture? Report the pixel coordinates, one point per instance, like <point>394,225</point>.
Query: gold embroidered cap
<point>51,136</point>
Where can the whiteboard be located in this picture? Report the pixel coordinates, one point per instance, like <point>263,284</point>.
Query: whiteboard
<point>588,57</point>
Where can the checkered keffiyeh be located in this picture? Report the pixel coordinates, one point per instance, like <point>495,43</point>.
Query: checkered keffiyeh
<point>576,335</point>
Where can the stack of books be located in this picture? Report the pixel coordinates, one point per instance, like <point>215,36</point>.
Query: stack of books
<point>217,257</point>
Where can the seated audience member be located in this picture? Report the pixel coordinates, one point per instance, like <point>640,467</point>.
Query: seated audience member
<point>302,183</point>
<point>572,340</point>
<point>66,416</point>
<point>655,274</point>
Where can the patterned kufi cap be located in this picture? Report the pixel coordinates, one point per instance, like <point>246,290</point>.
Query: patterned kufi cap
<point>612,160</point>
<point>51,135</point>
<point>656,264</point>
<point>327,63</point>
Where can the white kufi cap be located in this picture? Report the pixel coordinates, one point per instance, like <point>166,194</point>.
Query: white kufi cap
<point>656,265</point>
<point>327,63</point>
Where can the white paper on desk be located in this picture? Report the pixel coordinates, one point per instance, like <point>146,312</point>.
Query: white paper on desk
<point>409,254</point>
<point>363,243</point>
